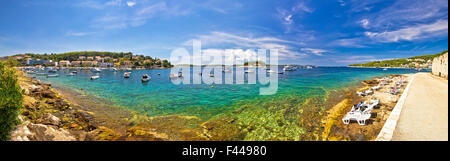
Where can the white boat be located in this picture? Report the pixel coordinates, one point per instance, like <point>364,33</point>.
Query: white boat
<point>288,68</point>
<point>41,74</point>
<point>54,75</point>
<point>31,72</point>
<point>176,75</point>
<point>128,69</point>
<point>271,71</point>
<point>96,70</point>
<point>95,77</point>
<point>249,71</point>
<point>114,69</point>
<point>385,69</point>
<point>71,74</point>
<point>52,71</point>
<point>127,74</point>
<point>74,72</point>
<point>146,78</point>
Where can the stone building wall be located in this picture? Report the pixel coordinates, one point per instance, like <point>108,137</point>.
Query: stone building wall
<point>440,66</point>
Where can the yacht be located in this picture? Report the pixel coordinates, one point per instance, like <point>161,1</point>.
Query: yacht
<point>145,78</point>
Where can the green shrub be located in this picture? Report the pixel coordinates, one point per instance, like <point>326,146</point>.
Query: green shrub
<point>10,101</point>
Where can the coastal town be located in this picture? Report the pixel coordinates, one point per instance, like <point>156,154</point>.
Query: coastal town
<point>91,59</point>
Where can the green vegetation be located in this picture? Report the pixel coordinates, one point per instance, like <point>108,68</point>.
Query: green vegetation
<point>108,57</point>
<point>10,99</point>
<point>72,56</point>
<point>407,62</point>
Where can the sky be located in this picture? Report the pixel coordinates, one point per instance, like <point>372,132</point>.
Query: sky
<point>325,32</point>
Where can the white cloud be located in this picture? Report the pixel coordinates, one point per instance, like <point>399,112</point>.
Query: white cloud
<point>402,13</point>
<point>318,52</point>
<point>131,3</point>
<point>287,15</point>
<point>288,19</point>
<point>411,33</point>
<point>214,40</point>
<point>342,3</point>
<point>79,34</point>
<point>114,3</point>
<point>364,23</point>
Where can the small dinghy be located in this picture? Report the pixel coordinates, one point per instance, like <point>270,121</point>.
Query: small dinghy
<point>41,74</point>
<point>145,78</point>
<point>74,72</point>
<point>127,74</point>
<point>71,74</point>
<point>95,77</point>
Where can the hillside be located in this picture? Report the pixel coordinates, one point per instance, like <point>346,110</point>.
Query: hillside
<point>422,61</point>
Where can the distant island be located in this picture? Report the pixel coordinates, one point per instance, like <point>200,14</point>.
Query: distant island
<point>422,61</point>
<point>90,59</point>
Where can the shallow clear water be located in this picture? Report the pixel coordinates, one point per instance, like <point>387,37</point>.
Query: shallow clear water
<point>160,96</point>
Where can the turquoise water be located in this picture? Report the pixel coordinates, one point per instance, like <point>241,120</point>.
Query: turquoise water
<point>160,96</point>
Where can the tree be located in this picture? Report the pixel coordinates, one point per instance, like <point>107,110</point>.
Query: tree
<point>10,101</point>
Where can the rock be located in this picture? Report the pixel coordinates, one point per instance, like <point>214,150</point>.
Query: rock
<point>440,66</point>
<point>58,103</point>
<point>34,88</point>
<point>47,94</point>
<point>49,133</point>
<point>49,119</point>
<point>21,133</point>
<point>83,116</point>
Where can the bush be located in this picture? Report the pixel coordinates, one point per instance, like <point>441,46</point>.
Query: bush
<point>10,101</point>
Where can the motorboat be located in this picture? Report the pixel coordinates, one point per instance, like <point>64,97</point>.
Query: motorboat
<point>71,74</point>
<point>54,75</point>
<point>96,70</point>
<point>176,75</point>
<point>127,74</point>
<point>74,72</point>
<point>128,69</point>
<point>31,72</point>
<point>41,74</point>
<point>52,70</point>
<point>145,78</point>
<point>249,71</point>
<point>95,77</point>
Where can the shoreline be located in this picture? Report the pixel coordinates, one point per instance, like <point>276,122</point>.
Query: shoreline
<point>115,123</point>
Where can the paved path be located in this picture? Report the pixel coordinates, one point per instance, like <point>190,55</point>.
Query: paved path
<point>424,116</point>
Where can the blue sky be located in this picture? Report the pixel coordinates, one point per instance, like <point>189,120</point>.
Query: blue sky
<point>325,32</point>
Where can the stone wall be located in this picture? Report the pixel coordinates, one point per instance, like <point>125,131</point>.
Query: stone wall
<point>440,66</point>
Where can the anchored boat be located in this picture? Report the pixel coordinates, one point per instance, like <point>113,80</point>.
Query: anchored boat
<point>126,74</point>
<point>95,77</point>
<point>145,78</point>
